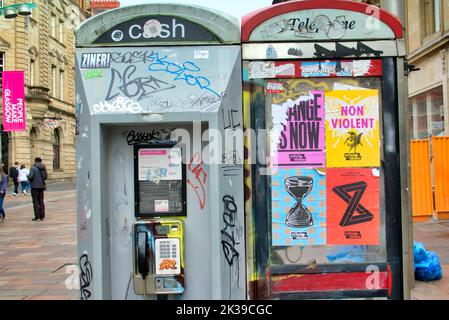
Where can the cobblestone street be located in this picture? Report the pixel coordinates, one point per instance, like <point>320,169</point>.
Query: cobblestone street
<point>36,257</point>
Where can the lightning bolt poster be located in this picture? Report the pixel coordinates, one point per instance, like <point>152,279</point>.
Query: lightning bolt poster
<point>298,207</point>
<point>352,128</point>
<point>297,136</point>
<point>353,202</point>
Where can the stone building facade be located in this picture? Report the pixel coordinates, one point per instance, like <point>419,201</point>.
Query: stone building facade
<point>43,46</point>
<point>428,50</point>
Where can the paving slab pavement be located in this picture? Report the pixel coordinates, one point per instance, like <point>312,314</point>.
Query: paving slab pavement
<point>38,257</point>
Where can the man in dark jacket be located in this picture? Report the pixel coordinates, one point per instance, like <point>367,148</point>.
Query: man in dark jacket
<point>14,174</point>
<point>37,177</point>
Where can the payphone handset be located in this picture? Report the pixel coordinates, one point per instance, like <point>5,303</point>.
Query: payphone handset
<point>158,257</point>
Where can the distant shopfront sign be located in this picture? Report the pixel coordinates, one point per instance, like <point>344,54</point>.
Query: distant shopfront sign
<point>13,101</point>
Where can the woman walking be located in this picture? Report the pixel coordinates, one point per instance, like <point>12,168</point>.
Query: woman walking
<point>3,188</point>
<point>23,179</point>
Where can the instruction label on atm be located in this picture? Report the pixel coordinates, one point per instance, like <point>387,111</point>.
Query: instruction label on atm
<point>168,258</point>
<point>160,164</point>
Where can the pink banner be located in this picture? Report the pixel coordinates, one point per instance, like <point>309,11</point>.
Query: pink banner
<point>13,101</point>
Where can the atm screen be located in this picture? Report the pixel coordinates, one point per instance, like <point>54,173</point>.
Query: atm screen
<point>160,177</point>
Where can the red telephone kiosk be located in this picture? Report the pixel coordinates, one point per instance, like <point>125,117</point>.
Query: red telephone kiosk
<point>326,214</point>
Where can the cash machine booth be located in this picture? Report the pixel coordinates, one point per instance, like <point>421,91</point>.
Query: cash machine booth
<point>160,195</point>
<point>324,100</point>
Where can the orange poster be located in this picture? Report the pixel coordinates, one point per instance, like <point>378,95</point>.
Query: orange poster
<point>353,202</point>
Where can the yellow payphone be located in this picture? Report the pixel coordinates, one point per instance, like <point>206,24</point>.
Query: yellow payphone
<point>158,257</point>
<point>160,196</point>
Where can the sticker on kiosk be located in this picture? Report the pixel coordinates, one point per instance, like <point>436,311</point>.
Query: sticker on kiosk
<point>299,207</point>
<point>353,202</point>
<point>352,128</point>
<point>168,257</point>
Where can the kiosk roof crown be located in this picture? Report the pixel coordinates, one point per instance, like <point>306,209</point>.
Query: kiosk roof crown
<point>156,24</point>
<point>322,20</point>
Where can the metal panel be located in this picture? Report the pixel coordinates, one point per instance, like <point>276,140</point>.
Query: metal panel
<point>324,50</point>
<point>422,203</point>
<point>329,282</point>
<point>407,221</point>
<point>440,146</point>
<point>215,216</point>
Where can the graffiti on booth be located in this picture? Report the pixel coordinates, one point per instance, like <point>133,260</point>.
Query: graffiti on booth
<point>133,137</point>
<point>362,50</point>
<point>120,104</point>
<point>186,72</point>
<point>125,83</point>
<point>85,276</point>
<point>231,236</point>
<point>200,179</point>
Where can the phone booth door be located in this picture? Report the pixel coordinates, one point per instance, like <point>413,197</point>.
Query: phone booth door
<point>322,95</point>
<point>325,181</point>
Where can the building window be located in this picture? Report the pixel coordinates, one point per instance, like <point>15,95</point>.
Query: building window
<point>437,111</point>
<point>53,80</point>
<point>428,114</point>
<point>53,25</point>
<point>421,114</point>
<point>61,31</point>
<point>61,84</point>
<point>431,20</point>
<point>31,72</point>
<point>56,150</point>
<point>2,64</point>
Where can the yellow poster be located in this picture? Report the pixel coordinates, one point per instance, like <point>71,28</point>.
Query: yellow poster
<point>352,128</point>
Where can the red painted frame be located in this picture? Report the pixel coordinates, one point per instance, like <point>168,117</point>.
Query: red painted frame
<point>327,282</point>
<point>251,20</point>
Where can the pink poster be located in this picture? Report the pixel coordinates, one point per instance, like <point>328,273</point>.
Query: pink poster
<point>13,101</point>
<point>298,132</point>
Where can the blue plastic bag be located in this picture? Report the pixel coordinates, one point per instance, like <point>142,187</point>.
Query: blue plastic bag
<point>429,269</point>
<point>419,252</point>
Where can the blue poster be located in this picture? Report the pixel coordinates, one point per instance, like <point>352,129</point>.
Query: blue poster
<point>298,207</point>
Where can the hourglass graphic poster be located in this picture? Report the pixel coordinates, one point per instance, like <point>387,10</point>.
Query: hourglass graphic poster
<point>297,135</point>
<point>353,202</point>
<point>298,207</point>
<point>352,128</point>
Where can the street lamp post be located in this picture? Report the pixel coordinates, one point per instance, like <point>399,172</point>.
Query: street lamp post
<point>22,9</point>
<point>11,12</point>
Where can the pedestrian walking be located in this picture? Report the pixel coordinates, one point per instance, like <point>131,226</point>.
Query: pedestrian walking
<point>37,178</point>
<point>3,189</point>
<point>14,174</point>
<point>23,179</point>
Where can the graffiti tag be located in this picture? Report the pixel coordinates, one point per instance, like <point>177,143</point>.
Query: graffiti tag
<point>85,276</point>
<point>200,179</point>
<point>343,51</point>
<point>131,57</point>
<point>229,234</point>
<point>137,137</point>
<point>118,105</point>
<point>134,87</point>
<point>186,72</point>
